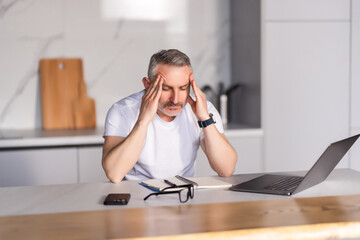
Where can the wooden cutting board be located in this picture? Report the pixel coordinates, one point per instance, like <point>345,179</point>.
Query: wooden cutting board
<point>84,109</point>
<point>65,104</point>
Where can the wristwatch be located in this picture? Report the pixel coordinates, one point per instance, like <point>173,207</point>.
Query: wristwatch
<point>204,124</point>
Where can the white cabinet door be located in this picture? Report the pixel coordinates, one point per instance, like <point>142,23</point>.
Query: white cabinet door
<point>355,83</point>
<point>355,68</point>
<point>310,10</point>
<point>249,150</point>
<point>38,167</point>
<point>90,168</point>
<point>305,90</point>
<point>355,153</point>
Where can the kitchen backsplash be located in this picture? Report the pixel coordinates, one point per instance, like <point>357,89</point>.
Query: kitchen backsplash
<point>115,39</point>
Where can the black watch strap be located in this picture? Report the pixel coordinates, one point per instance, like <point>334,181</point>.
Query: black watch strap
<point>211,120</point>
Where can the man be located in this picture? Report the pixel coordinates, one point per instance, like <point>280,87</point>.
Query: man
<point>155,133</point>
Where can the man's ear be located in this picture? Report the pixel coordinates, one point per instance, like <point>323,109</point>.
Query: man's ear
<point>146,82</point>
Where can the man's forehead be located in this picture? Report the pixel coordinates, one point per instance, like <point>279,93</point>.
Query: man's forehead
<point>175,76</point>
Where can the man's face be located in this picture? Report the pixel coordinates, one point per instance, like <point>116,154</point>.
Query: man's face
<point>175,90</point>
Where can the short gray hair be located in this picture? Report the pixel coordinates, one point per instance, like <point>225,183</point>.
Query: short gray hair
<point>169,57</point>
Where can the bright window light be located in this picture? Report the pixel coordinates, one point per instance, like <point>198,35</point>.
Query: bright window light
<point>149,10</point>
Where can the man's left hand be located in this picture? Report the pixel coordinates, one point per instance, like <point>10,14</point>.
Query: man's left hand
<point>199,106</point>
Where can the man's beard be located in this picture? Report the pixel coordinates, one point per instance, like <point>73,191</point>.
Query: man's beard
<point>162,108</point>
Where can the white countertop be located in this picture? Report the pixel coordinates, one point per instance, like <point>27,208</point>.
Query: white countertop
<point>50,138</point>
<point>90,196</point>
<point>38,138</point>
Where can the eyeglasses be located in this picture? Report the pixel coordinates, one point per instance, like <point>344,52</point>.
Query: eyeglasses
<point>186,192</point>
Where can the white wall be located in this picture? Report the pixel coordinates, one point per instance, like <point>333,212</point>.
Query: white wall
<point>114,42</point>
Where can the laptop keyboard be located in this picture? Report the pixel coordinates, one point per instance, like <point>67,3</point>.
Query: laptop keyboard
<point>285,184</point>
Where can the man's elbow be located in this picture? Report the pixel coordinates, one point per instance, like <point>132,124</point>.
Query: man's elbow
<point>115,179</point>
<point>225,173</point>
<point>113,176</point>
<point>229,170</point>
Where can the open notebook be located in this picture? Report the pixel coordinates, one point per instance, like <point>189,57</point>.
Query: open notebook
<point>198,182</point>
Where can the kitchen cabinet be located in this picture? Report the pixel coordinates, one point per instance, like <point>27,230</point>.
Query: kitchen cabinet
<point>47,166</point>
<point>305,81</point>
<point>248,145</point>
<point>39,157</point>
<point>38,167</point>
<point>45,158</point>
<point>312,10</point>
<point>90,168</point>
<point>355,82</point>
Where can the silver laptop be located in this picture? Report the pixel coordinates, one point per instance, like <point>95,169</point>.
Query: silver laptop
<point>288,185</point>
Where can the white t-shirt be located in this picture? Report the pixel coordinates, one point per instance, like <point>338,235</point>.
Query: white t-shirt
<point>170,148</point>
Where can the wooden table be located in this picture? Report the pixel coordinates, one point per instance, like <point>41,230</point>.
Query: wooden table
<point>238,216</point>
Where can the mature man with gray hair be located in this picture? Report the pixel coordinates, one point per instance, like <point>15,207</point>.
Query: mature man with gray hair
<point>156,133</point>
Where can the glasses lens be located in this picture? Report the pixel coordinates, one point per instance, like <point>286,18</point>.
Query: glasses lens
<point>184,195</point>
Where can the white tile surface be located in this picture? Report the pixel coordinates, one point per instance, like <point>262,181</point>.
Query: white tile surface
<point>307,9</point>
<point>305,92</point>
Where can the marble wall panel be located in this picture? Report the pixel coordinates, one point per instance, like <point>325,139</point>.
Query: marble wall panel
<point>30,18</point>
<point>27,33</point>
<point>114,41</point>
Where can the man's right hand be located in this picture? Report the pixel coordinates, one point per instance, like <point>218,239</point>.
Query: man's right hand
<point>121,154</point>
<point>150,100</point>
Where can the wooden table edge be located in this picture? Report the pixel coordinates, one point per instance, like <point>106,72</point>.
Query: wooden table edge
<point>311,231</point>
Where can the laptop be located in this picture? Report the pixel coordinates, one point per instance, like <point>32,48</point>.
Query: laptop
<point>289,185</point>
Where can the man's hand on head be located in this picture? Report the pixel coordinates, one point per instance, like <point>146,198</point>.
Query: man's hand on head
<point>150,100</point>
<point>199,106</point>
